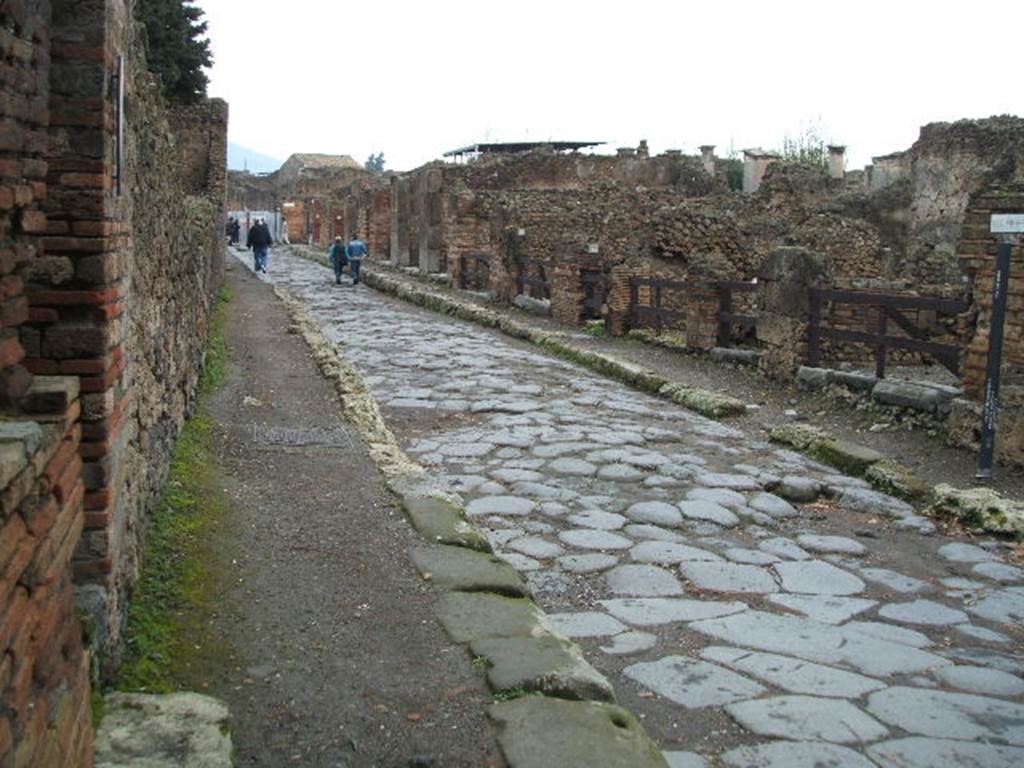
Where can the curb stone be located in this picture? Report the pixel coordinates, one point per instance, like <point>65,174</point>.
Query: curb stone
<point>705,402</point>
<point>540,658</point>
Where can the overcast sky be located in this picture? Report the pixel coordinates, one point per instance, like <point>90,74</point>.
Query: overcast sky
<point>414,79</point>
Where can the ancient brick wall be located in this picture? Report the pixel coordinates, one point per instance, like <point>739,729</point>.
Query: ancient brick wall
<point>44,673</point>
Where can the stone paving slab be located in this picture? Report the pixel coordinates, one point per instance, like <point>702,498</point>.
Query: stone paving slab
<point>441,521</point>
<point>538,732</point>
<point>918,752</point>
<point>796,754</point>
<point>945,715</point>
<point>546,664</point>
<point>807,717</point>
<point>649,612</point>
<point>693,683</point>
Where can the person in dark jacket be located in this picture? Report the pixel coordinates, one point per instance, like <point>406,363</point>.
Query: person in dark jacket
<point>259,240</point>
<point>338,258</point>
<point>236,229</point>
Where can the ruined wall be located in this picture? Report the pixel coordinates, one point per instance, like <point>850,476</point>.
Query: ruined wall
<point>948,165</point>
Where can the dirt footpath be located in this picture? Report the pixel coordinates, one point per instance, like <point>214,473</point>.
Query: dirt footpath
<point>334,655</point>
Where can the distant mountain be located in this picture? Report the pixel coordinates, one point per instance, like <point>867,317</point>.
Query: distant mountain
<point>244,159</point>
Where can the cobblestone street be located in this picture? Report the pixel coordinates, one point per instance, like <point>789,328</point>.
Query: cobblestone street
<point>816,623</point>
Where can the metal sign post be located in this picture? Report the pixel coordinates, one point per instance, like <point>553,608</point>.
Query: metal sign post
<point>1002,224</point>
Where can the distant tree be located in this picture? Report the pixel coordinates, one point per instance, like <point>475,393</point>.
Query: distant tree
<point>178,50</point>
<point>375,163</point>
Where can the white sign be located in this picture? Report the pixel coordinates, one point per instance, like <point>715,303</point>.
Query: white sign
<point>1007,223</point>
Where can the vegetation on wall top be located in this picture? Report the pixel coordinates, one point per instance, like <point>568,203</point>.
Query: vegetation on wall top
<point>178,49</point>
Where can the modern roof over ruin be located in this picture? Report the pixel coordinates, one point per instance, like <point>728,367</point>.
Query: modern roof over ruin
<point>313,160</point>
<point>521,146</point>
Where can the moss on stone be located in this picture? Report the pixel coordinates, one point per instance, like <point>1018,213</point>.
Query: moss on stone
<point>980,508</point>
<point>803,437</point>
<point>895,479</point>
<point>707,403</point>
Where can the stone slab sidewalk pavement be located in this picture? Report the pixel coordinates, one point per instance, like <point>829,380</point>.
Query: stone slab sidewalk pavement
<point>741,627</point>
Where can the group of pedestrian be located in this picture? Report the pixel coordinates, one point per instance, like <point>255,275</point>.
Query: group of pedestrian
<point>349,255</point>
<point>259,240</point>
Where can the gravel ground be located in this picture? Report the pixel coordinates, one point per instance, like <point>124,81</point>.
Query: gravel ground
<point>335,658</point>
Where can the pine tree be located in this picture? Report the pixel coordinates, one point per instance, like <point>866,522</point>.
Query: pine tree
<point>178,50</point>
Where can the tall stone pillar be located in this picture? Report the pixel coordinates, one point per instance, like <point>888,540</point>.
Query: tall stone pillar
<point>836,161</point>
<point>755,163</point>
<point>784,307</point>
<point>707,158</point>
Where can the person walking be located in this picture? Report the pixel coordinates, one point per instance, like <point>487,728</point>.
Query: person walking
<point>259,240</point>
<point>236,228</point>
<point>338,258</point>
<point>357,250</point>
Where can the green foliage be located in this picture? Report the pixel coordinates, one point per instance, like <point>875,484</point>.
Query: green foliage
<point>165,631</point>
<point>177,49</point>
<point>375,163</point>
<point>733,173</point>
<point>809,148</point>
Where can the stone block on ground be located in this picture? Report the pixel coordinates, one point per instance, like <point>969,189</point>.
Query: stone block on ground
<point>813,378</point>
<point>548,664</point>
<point>858,382</point>
<point>735,356</point>
<point>442,521</point>
<point>469,571</point>
<point>179,730</point>
<point>981,508</point>
<point>907,394</point>
<point>800,436</point>
<point>893,478</point>
<point>468,616</point>
<point>714,405</point>
<point>849,457</point>
<point>530,304</point>
<point>537,732</point>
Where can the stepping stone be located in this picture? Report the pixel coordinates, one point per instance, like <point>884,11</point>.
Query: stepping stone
<point>706,510</point>
<point>458,568</point>
<point>536,547</point>
<point>827,609</point>
<point>642,581</point>
<point>795,754</point>
<point>959,552</point>
<point>922,612</point>
<point>594,563</point>
<point>655,513</point>
<point>949,715</point>
<point>823,643</point>
<point>721,496</point>
<point>606,521</point>
<point>895,581</point>
<point>816,577</point>
<point>592,538</point>
<point>622,473</point>
<point>650,612</point>
<point>794,675</point>
<point>572,467</point>
<point>512,506</point>
<point>585,624</point>
<point>798,489</point>
<point>669,552</point>
<point>890,633</point>
<point>784,548</point>
<point>982,680</point>
<point>839,545</point>
<point>807,717</point>
<point>629,643</point>
<point>750,556</point>
<point>918,752</point>
<point>692,683</point>
<point>1004,607</point>
<point>772,505</point>
<point>1001,572</point>
<point>729,577</point>
<point>651,532</point>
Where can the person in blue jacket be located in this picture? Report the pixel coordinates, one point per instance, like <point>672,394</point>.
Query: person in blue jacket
<point>338,258</point>
<point>357,250</point>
